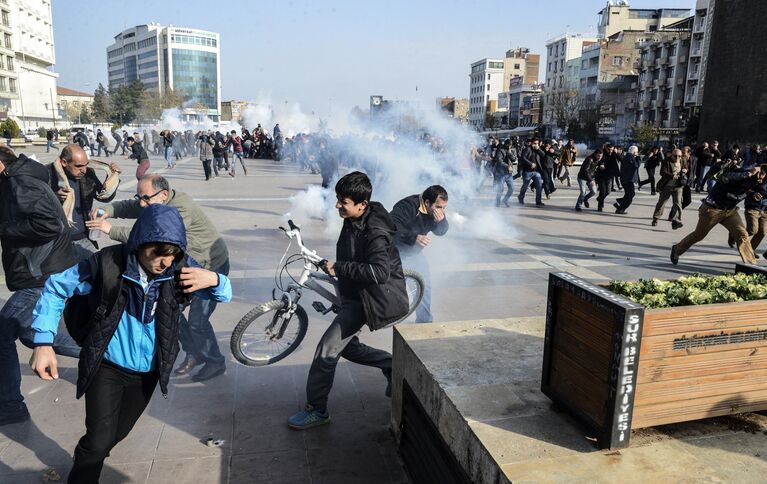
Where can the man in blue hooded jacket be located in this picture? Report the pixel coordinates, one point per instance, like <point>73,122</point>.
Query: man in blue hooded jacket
<point>129,343</point>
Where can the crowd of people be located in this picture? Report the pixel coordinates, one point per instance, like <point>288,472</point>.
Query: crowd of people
<point>725,179</point>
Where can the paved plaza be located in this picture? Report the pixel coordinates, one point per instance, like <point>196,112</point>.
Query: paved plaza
<point>475,278</point>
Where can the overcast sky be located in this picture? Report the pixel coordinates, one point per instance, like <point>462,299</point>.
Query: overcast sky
<point>330,54</point>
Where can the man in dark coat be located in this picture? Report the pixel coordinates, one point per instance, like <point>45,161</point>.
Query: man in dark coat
<point>35,244</point>
<point>372,287</point>
<point>416,216</point>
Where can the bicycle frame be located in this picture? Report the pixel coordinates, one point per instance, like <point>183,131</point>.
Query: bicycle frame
<point>310,277</point>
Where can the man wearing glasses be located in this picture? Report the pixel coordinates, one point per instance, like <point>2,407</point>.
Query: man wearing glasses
<point>205,245</point>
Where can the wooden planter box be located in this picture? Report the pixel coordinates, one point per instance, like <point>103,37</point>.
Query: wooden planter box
<point>618,366</point>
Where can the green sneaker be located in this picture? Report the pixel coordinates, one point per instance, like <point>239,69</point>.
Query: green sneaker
<point>308,418</point>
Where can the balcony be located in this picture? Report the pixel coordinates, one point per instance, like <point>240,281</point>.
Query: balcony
<point>695,51</point>
<point>682,59</point>
<point>660,103</point>
<point>647,63</point>
<point>694,75</point>
<point>648,84</point>
<point>677,103</point>
<point>660,82</point>
<point>646,104</point>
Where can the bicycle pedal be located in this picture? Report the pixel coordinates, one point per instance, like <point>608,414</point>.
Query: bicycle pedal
<point>319,307</point>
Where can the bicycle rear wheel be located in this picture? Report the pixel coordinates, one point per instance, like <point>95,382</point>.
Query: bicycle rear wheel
<point>414,286</point>
<point>259,341</point>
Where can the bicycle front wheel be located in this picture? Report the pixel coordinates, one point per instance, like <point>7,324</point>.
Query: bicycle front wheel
<point>414,286</point>
<point>268,334</point>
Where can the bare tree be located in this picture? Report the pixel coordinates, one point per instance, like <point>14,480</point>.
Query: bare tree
<point>566,108</point>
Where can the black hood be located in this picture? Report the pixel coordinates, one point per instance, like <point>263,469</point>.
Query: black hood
<point>24,166</point>
<point>376,217</point>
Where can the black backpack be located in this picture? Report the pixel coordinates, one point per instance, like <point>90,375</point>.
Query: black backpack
<point>82,311</point>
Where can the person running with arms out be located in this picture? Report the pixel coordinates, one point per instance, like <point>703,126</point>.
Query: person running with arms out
<point>721,207</point>
<point>416,216</point>
<point>132,347</point>
<point>372,288</point>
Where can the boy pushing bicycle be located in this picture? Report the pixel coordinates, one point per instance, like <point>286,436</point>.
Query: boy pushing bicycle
<point>372,288</point>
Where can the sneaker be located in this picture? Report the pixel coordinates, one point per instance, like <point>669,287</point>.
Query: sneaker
<point>578,209</point>
<point>617,205</point>
<point>586,203</point>
<point>540,204</point>
<point>620,211</point>
<point>677,225</point>
<point>674,255</point>
<point>506,204</point>
<point>521,201</point>
<point>308,418</point>
<point>654,222</point>
<point>20,415</point>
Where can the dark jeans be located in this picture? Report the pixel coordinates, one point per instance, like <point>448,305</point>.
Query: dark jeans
<point>604,185</point>
<point>206,167</point>
<point>196,333</point>
<point>416,260</point>
<point>526,178</point>
<point>628,194</point>
<point>340,339</point>
<point>16,322</point>
<point>113,402</point>
<point>499,181</point>
<point>650,179</point>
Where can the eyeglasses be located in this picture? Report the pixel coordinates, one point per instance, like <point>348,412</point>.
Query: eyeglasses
<point>147,198</point>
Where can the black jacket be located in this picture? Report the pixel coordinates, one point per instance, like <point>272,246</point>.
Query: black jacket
<point>33,228</point>
<point>528,157</point>
<point>90,185</point>
<point>630,168</point>
<point>751,199</point>
<point>412,222</point>
<point>588,169</point>
<point>138,152</point>
<point>611,164</point>
<point>369,268</point>
<point>731,189</point>
<point>81,139</point>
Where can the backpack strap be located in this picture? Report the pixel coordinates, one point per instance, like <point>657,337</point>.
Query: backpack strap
<point>112,264</point>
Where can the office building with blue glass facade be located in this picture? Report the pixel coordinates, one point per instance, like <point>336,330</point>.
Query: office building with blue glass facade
<point>182,59</point>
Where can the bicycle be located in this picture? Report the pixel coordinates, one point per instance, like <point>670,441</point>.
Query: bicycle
<point>252,345</point>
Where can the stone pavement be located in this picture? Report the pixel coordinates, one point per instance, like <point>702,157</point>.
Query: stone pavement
<point>474,278</point>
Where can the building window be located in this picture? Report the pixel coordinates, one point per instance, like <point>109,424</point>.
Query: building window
<point>8,41</point>
<point>2,84</point>
<point>6,19</point>
<point>617,60</point>
<point>12,84</point>
<point>488,87</point>
<point>10,63</point>
<point>516,66</point>
<point>2,64</point>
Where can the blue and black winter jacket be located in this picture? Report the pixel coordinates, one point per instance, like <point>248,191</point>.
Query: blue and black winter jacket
<point>134,323</point>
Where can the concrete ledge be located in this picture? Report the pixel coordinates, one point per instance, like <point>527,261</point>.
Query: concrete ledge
<point>479,383</point>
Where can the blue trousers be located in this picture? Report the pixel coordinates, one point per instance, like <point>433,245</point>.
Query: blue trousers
<point>196,334</point>
<point>16,322</point>
<point>535,177</point>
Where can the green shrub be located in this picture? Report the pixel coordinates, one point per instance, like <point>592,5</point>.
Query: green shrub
<point>11,126</point>
<point>693,290</point>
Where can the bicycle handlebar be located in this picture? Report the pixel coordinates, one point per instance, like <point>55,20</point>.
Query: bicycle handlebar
<point>295,233</point>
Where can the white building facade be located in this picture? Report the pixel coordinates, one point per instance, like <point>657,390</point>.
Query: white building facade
<point>562,74</point>
<point>27,57</point>
<point>187,61</point>
<point>486,82</point>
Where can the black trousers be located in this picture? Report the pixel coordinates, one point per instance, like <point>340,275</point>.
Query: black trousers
<point>604,185</point>
<point>339,340</point>
<point>113,403</point>
<point>206,166</point>
<point>628,194</point>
